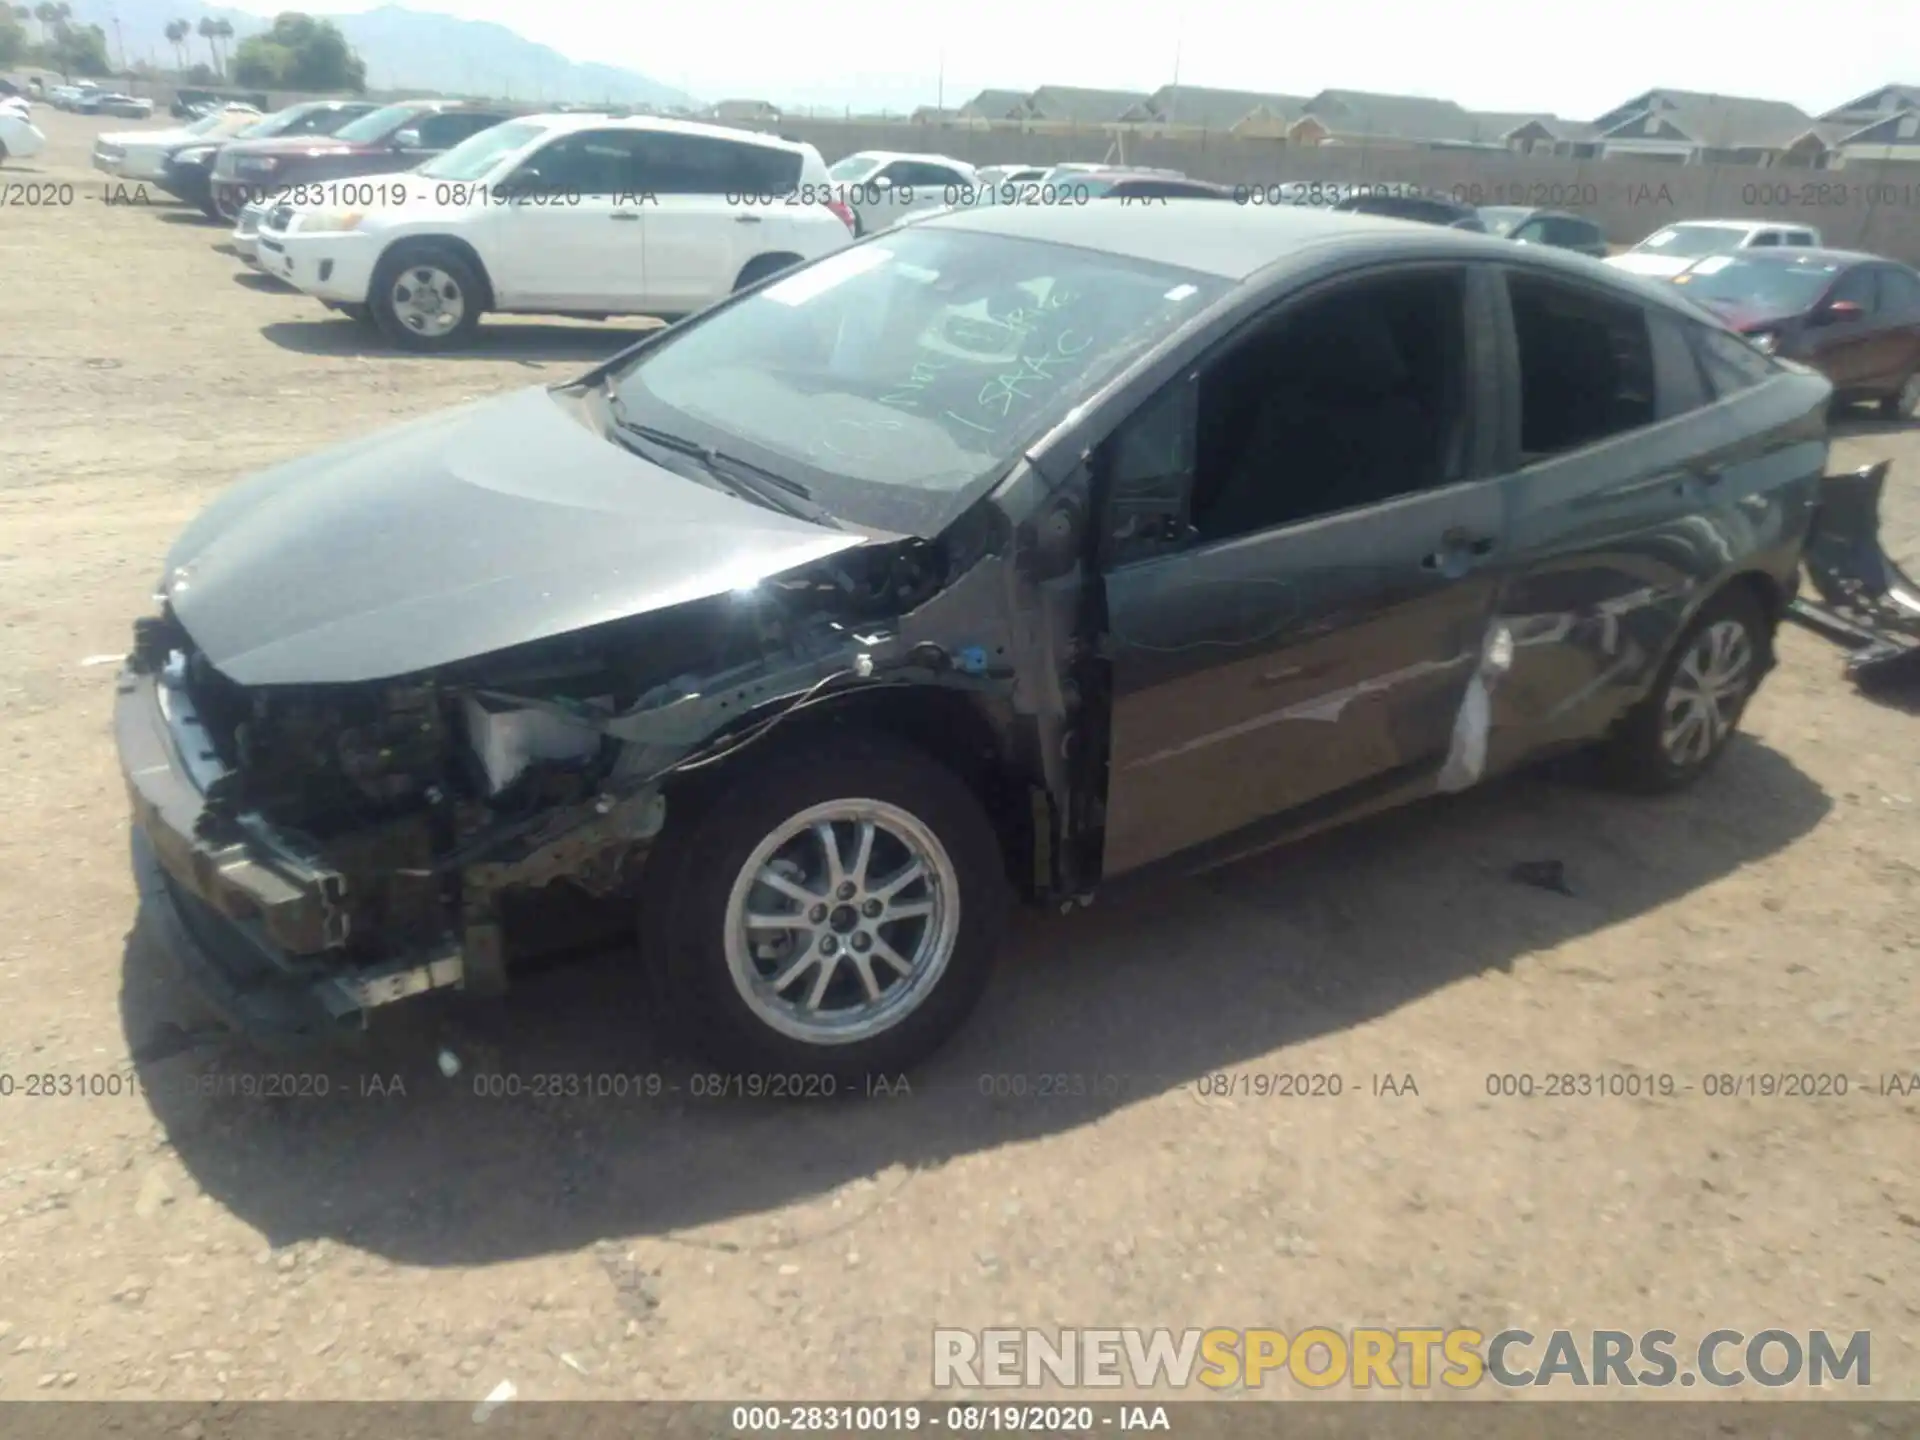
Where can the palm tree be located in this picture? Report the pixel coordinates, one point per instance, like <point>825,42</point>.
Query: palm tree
<point>206,32</point>
<point>177,33</point>
<point>46,14</point>
<point>223,32</point>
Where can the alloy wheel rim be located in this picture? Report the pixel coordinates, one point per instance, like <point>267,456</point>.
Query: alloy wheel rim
<point>1708,688</point>
<point>842,921</point>
<point>428,301</point>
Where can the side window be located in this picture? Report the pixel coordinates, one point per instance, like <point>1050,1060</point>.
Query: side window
<point>1346,398</point>
<point>1731,363</point>
<point>1857,286</point>
<point>1900,292</point>
<point>449,128</point>
<point>763,170</point>
<point>1586,366</point>
<point>1145,469</point>
<point>1800,237</point>
<point>691,165</point>
<point>1683,385</point>
<point>1537,232</point>
<point>587,162</point>
<point>1765,237</point>
<point>1562,231</point>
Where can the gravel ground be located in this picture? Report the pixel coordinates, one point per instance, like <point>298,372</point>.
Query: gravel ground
<point>406,1236</point>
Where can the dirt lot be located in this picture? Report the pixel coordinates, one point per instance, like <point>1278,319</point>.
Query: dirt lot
<point>190,1241</point>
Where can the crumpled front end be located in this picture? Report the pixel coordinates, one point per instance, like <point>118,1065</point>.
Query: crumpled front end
<point>317,852</point>
<point>1866,601</point>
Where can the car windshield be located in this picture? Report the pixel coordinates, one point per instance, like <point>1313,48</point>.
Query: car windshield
<point>1691,240</point>
<point>893,376</point>
<point>854,167</point>
<point>1773,285</point>
<point>1501,219</point>
<point>475,156</point>
<point>377,125</point>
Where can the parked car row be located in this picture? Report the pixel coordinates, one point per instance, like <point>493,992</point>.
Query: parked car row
<point>20,138</point>
<point>952,565</point>
<point>419,217</point>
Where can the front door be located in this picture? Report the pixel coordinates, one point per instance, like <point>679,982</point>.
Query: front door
<point>1311,625</point>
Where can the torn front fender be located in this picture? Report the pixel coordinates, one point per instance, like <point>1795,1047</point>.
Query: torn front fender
<point>1866,601</point>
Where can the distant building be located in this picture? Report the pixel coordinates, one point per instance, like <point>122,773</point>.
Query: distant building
<point>995,105</point>
<point>1688,127</point>
<point>1203,109</point>
<point>1878,127</point>
<point>1075,106</point>
<point>1361,117</point>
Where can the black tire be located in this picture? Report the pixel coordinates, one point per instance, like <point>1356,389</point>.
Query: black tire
<point>689,885</point>
<point>417,259</point>
<point>212,212</point>
<point>761,267</point>
<point>361,315</point>
<point>1637,757</point>
<point>1901,404</point>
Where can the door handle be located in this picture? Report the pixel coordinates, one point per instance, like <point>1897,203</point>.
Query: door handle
<point>1708,474</point>
<point>746,219</point>
<point>623,215</point>
<point>1456,544</point>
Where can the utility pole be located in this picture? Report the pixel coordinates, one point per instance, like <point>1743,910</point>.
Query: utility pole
<point>940,85</point>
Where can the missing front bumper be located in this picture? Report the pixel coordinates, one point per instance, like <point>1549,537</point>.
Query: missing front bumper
<point>1865,602</point>
<point>257,930</point>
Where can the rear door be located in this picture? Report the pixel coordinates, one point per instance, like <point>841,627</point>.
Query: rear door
<point>713,204</point>
<point>572,230</point>
<point>1625,478</point>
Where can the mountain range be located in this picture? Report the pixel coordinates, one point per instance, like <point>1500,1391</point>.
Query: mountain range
<point>404,50</point>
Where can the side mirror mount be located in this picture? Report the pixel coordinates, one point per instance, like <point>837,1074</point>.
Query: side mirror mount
<point>524,181</point>
<point>407,139</point>
<point>881,182</point>
<point>1839,311</point>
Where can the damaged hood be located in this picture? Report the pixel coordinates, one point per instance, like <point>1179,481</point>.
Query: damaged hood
<point>472,530</point>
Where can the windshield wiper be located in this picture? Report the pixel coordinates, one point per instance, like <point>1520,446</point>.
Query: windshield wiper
<point>756,482</point>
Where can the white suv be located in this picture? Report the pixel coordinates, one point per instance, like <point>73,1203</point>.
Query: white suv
<point>884,186</point>
<point>1671,249</point>
<point>571,214</point>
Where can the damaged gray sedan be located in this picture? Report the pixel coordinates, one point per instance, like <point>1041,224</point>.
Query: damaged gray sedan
<point>996,556</point>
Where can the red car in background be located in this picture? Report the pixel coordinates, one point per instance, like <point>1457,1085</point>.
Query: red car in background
<point>390,139</point>
<point>1855,318</point>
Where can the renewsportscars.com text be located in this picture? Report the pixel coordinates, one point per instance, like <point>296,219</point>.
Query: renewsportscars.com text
<point>1321,1357</point>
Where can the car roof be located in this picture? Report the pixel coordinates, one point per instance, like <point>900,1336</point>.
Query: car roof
<point>1794,254</point>
<point>1236,242</point>
<point>568,121</point>
<point>890,155</point>
<point>1738,225</point>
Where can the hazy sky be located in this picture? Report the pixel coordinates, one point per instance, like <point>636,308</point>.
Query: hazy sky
<point>1574,60</point>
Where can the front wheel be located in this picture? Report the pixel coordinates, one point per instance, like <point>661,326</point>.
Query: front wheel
<point>1904,403</point>
<point>425,298</point>
<point>1681,729</point>
<point>833,913</point>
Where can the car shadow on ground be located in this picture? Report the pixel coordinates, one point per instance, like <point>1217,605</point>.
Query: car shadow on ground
<point>178,212</point>
<point>1132,999</point>
<point>501,341</point>
<point>266,284</point>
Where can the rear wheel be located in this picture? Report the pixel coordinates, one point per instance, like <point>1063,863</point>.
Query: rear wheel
<point>1904,403</point>
<point>426,298</point>
<point>834,912</point>
<point>1681,729</point>
<point>762,267</point>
